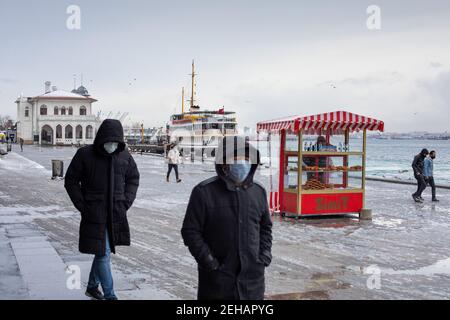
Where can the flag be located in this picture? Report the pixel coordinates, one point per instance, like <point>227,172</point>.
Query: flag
<point>222,111</point>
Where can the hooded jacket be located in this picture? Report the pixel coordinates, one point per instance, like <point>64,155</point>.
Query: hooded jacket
<point>103,187</point>
<point>228,230</point>
<point>418,162</point>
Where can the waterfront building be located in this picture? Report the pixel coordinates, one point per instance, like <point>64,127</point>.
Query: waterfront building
<point>57,117</point>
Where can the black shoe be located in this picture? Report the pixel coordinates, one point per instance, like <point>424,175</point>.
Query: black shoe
<point>435,200</point>
<point>95,294</point>
<point>179,180</point>
<point>420,198</point>
<point>112,298</point>
<point>168,180</point>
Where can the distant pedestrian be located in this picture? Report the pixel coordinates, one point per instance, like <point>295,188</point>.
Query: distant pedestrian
<point>102,181</point>
<point>428,173</point>
<point>173,157</point>
<point>418,168</point>
<point>21,144</point>
<point>228,228</point>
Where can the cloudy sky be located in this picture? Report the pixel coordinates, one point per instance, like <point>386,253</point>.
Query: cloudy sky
<point>263,59</point>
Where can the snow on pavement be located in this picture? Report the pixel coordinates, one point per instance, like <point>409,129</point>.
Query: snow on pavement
<point>313,258</point>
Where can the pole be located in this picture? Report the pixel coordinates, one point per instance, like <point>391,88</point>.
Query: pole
<point>364,167</point>
<point>182,101</point>
<point>299,171</point>
<point>193,83</point>
<point>281,169</point>
<point>346,143</point>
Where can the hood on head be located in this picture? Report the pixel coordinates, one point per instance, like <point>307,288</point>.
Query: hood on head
<point>424,152</point>
<point>231,147</point>
<point>110,131</point>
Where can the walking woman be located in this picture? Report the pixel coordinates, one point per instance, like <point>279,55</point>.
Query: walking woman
<point>174,159</point>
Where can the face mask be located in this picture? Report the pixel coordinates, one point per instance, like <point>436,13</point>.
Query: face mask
<point>110,147</point>
<point>240,170</point>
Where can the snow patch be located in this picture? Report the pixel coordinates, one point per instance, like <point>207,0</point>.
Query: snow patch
<point>18,163</point>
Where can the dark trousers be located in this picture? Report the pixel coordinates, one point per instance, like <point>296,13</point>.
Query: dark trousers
<point>175,167</point>
<point>421,185</point>
<point>430,181</point>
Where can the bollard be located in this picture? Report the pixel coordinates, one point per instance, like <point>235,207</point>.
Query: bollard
<point>57,169</point>
<point>365,214</point>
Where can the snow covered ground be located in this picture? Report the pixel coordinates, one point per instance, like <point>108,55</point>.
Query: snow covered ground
<point>406,244</point>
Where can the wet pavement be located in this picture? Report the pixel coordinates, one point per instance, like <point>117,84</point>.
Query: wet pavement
<point>402,254</point>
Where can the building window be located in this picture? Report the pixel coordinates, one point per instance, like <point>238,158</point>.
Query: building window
<point>69,132</point>
<point>55,111</point>
<point>43,110</point>
<point>58,131</point>
<point>70,111</point>
<point>63,111</point>
<point>89,132</point>
<point>27,112</point>
<point>82,111</point>
<point>79,132</point>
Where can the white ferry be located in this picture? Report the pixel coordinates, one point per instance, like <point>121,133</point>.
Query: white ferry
<point>199,131</point>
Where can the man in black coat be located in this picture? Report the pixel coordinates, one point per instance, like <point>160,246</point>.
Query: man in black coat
<point>228,228</point>
<point>102,181</point>
<point>418,165</point>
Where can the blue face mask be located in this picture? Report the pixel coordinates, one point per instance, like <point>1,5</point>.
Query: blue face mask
<point>240,170</point>
<point>111,147</point>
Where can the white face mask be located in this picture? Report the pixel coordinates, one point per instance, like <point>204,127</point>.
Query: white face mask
<point>110,147</point>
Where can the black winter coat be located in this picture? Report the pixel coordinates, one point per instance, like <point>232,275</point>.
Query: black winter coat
<point>418,164</point>
<point>103,187</point>
<point>228,230</point>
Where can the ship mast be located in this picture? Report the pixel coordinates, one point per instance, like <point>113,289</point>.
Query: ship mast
<point>193,84</point>
<point>182,101</point>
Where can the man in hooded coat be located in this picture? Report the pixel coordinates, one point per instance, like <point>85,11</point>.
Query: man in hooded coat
<point>102,181</point>
<point>228,228</point>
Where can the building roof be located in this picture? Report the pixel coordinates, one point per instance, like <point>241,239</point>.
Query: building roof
<point>63,95</point>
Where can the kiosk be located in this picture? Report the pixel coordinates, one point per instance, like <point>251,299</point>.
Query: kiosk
<point>322,163</point>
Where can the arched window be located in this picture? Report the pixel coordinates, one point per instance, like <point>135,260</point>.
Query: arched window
<point>89,132</point>
<point>27,112</point>
<point>69,132</point>
<point>43,110</point>
<point>63,111</point>
<point>79,132</point>
<point>83,111</point>
<point>55,111</point>
<point>58,131</point>
<point>70,111</point>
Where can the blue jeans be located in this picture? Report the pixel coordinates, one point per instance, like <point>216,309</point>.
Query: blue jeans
<point>101,273</point>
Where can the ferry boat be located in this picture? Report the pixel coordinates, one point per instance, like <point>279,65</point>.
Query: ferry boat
<point>199,131</point>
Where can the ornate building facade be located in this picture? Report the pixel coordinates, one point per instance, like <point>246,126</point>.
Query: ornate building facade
<point>57,117</point>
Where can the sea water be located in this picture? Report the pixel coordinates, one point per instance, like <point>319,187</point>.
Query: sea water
<point>389,159</point>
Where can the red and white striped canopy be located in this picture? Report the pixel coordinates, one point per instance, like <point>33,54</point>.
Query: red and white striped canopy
<point>337,122</point>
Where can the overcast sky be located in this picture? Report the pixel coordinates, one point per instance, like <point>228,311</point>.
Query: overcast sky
<point>262,59</point>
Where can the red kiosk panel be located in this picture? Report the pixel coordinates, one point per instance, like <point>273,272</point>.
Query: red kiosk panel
<point>332,203</point>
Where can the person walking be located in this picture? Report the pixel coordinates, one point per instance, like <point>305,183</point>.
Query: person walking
<point>428,174</point>
<point>102,181</point>
<point>21,144</point>
<point>228,228</point>
<point>173,157</point>
<point>418,167</point>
